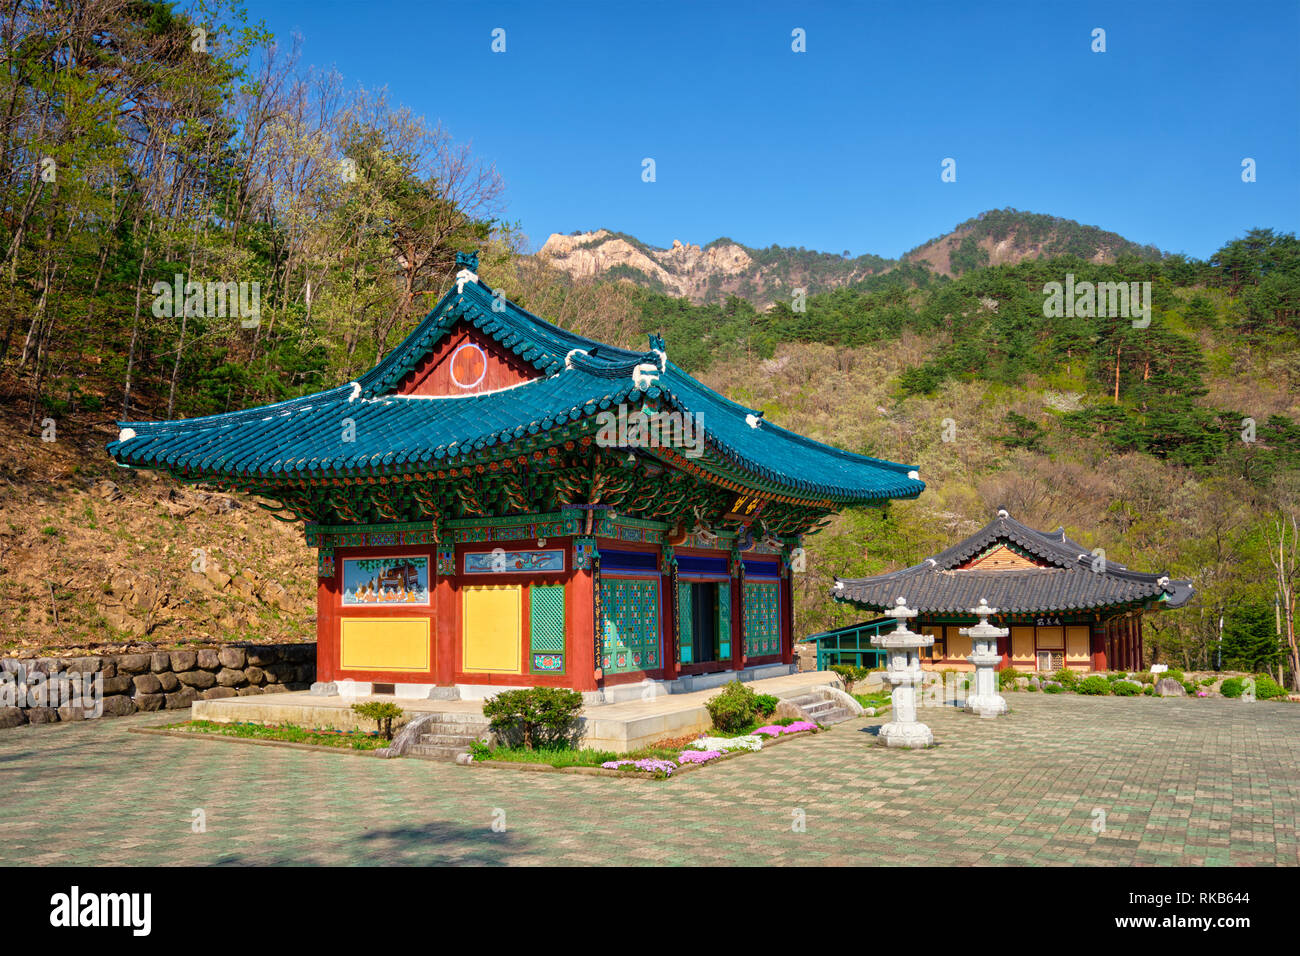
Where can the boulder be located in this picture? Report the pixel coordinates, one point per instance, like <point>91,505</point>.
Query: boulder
<point>119,705</point>
<point>1168,687</point>
<point>232,657</point>
<point>229,677</point>
<point>183,660</point>
<point>118,685</point>
<point>216,693</point>
<point>160,661</point>
<point>181,699</point>
<point>12,717</point>
<point>147,702</point>
<point>209,659</point>
<point>248,691</point>
<point>255,675</point>
<point>789,709</point>
<point>261,656</point>
<point>274,593</point>
<point>216,577</point>
<point>197,679</point>
<point>168,682</point>
<point>146,684</point>
<point>42,715</point>
<point>72,713</point>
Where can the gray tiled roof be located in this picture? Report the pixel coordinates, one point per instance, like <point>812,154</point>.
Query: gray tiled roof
<point>1068,583</point>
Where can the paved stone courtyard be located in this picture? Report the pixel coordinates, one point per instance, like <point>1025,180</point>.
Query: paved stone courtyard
<point>1180,782</point>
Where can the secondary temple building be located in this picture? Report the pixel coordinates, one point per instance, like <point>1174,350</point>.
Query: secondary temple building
<point>500,502</point>
<point>1065,606</point>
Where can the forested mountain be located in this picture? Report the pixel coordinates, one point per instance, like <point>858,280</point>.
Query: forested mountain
<point>308,227</point>
<point>724,268</point>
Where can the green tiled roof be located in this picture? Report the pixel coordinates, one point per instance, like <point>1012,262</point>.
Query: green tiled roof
<point>396,434</point>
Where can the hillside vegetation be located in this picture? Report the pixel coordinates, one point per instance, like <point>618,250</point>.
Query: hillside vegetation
<point>135,160</point>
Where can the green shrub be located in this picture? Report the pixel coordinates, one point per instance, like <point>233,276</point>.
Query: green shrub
<point>1007,678</point>
<point>534,716</point>
<point>764,704</point>
<point>1207,681</point>
<point>1032,689</point>
<point>1128,689</point>
<point>1114,677</point>
<point>734,708</point>
<point>1266,688</point>
<point>1053,689</point>
<point>1145,677</point>
<point>1149,690</point>
<point>850,674</point>
<point>1190,687</point>
<point>1066,678</point>
<point>1232,687</point>
<point>382,713</point>
<point>1171,673</point>
<point>1094,686</point>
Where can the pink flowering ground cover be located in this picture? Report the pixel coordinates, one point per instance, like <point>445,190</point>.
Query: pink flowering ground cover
<point>776,730</point>
<point>699,756</point>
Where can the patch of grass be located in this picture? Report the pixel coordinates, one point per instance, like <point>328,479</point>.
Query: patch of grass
<point>872,700</point>
<point>352,739</point>
<point>566,757</point>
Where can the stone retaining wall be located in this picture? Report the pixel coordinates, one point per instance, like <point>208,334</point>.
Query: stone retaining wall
<point>160,680</point>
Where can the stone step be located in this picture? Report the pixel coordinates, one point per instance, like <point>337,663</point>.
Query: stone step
<point>448,740</point>
<point>437,751</point>
<point>455,728</point>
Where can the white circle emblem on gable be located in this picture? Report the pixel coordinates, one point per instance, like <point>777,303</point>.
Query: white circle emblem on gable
<point>468,365</point>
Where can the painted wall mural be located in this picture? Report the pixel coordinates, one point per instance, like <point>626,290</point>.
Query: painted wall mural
<point>383,582</point>
<point>502,561</point>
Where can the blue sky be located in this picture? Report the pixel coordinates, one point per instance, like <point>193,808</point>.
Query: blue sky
<point>840,147</point>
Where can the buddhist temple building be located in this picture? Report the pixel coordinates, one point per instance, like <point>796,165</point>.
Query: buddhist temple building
<point>1066,606</point>
<point>501,502</point>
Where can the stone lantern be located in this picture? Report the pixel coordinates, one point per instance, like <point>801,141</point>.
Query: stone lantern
<point>903,671</point>
<point>985,701</point>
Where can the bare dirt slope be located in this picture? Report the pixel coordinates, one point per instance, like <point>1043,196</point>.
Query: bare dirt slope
<point>95,557</point>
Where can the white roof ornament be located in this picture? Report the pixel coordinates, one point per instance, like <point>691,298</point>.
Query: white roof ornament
<point>126,434</point>
<point>356,392</point>
<point>839,585</point>
<point>568,359</point>
<point>645,375</point>
<point>753,421</point>
<point>1002,513</point>
<point>1163,581</point>
<point>914,475</point>
<point>663,359</point>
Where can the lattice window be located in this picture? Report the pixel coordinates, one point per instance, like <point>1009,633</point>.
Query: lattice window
<point>762,619</point>
<point>1049,662</point>
<point>630,625</point>
<point>685,624</point>
<point>546,628</point>
<point>724,621</point>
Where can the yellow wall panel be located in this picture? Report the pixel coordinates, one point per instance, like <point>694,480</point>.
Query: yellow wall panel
<point>1078,643</point>
<point>491,629</point>
<point>958,645</point>
<point>1051,638</point>
<point>1022,644</point>
<point>385,644</point>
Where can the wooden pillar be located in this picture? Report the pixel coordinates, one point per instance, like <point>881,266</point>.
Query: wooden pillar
<point>668,623</point>
<point>327,630</point>
<point>737,622</point>
<point>786,592</point>
<point>446,630</point>
<point>1137,629</point>
<point>580,609</point>
<point>1097,646</point>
